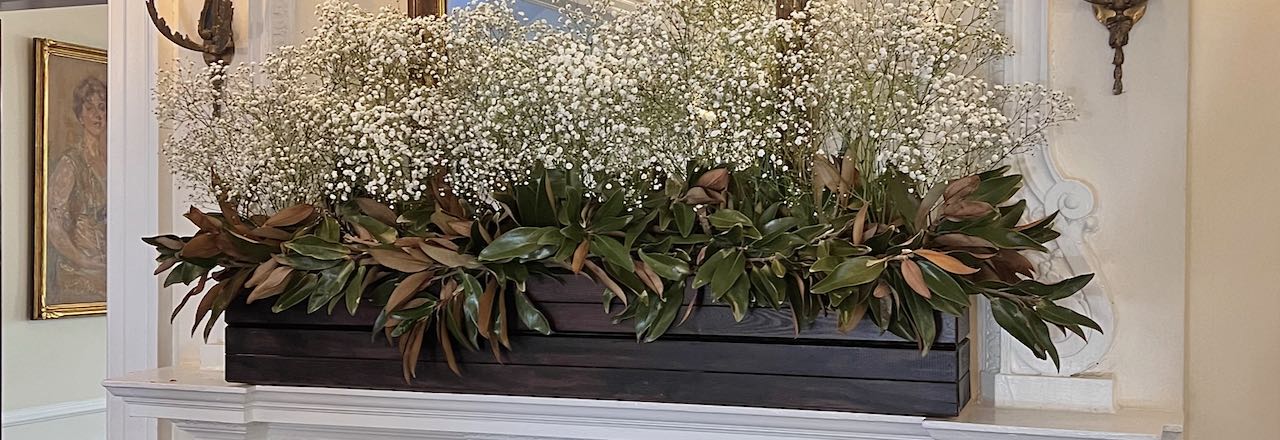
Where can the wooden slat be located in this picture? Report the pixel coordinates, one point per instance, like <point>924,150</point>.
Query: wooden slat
<point>858,395</point>
<point>590,318</point>
<point>558,350</point>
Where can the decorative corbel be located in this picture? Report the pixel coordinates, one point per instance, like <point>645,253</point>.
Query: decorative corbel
<point>1119,16</point>
<point>214,28</point>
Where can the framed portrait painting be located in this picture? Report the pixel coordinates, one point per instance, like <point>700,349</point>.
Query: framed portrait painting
<point>70,248</point>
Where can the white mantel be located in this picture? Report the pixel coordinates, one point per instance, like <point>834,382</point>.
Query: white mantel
<point>201,403</point>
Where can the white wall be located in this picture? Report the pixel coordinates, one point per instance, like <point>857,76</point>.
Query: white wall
<point>44,362</point>
<point>1131,149</point>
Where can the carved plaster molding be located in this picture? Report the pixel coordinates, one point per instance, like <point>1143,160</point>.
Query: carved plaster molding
<point>1010,369</point>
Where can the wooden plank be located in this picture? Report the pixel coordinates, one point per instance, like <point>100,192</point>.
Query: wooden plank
<point>681,355</point>
<point>696,387</point>
<point>585,318</point>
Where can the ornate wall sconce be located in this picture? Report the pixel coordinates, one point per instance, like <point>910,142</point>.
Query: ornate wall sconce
<point>1119,16</point>
<point>214,28</point>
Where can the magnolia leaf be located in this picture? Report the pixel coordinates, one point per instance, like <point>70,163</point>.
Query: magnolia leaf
<point>272,285</point>
<point>330,285</point>
<point>701,196</point>
<point>171,242</point>
<point>967,210</point>
<point>291,216</point>
<point>377,210</point>
<point>580,256</point>
<point>671,301</point>
<point>516,243</point>
<point>261,272</point>
<point>450,258</point>
<point>708,268</point>
<point>825,173</point>
<point>739,296</point>
<point>854,272</point>
<point>715,180</point>
<point>530,316</point>
<point>305,263</point>
<point>1066,317</point>
<point>727,273</point>
<point>399,260</point>
<point>295,292</point>
<point>603,278</point>
<point>882,290</point>
<point>405,290</point>
<point>997,190</point>
<point>666,266</point>
<point>354,289</point>
<point>612,251</point>
<point>944,286</point>
<point>185,273</point>
<point>315,247</point>
<point>915,278</point>
<point>1006,238</point>
<point>957,240</point>
<point>684,216</point>
<point>379,230</point>
<point>960,188</point>
<point>329,230</point>
<point>946,262</point>
<point>860,225</point>
<point>201,246</point>
<point>726,219</point>
<point>203,221</point>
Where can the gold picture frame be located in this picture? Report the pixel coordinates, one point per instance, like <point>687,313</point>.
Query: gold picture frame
<point>69,249</point>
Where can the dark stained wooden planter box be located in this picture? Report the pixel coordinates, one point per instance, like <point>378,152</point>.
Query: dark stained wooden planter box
<point>708,360</point>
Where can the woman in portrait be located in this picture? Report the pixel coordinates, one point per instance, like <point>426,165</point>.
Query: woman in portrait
<point>78,201</point>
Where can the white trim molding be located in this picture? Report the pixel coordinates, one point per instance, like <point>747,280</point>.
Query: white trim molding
<point>1012,376</point>
<point>132,207</point>
<point>202,404</point>
<point>51,412</point>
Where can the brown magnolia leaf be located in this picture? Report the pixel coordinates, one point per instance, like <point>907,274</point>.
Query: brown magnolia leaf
<point>167,264</point>
<point>261,272</point>
<point>701,196</point>
<point>269,232</point>
<point>849,319</point>
<point>204,245</point>
<point>448,289</point>
<point>444,243</point>
<point>206,305</point>
<point>648,277</point>
<point>485,326</point>
<point>202,221</point>
<point>407,287</point>
<point>1013,261</point>
<point>272,285</point>
<point>417,254</point>
<point>1031,225</point>
<point>946,262</point>
<point>882,290</point>
<point>405,242</point>
<point>505,335</point>
<point>602,277</point>
<point>291,216</point>
<point>414,350</point>
<point>915,279</point>
<point>171,243</point>
<point>461,227</point>
<point>693,303</point>
<point>446,345</point>
<point>860,225</point>
<point>962,241</point>
<point>714,180</point>
<point>449,257</point>
<point>580,255</point>
<point>193,292</point>
<point>825,173</point>
<point>377,210</point>
<point>927,204</point>
<point>967,209</point>
<point>849,174</point>
<point>399,260</point>
<point>961,188</point>
<point>442,221</point>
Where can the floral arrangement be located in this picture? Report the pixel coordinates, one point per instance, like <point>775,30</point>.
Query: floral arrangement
<point>843,158</point>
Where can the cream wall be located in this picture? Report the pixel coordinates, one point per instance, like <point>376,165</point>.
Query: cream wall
<point>44,362</point>
<point>1233,344</point>
<point>1131,149</point>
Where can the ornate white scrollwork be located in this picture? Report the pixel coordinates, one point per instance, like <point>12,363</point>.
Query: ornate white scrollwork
<point>1006,364</point>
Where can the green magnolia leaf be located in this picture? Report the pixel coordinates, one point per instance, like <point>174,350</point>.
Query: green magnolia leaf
<point>516,243</point>
<point>739,296</point>
<point>530,316</point>
<point>300,262</point>
<point>471,291</point>
<point>1005,238</point>
<point>380,230</point>
<point>684,217</point>
<point>299,290</point>
<point>1065,317</point>
<point>826,264</point>
<point>612,251</point>
<point>769,288</point>
<point>781,224</point>
<point>997,190</point>
<point>728,273</point>
<point>317,248</point>
<point>726,219</point>
<point>329,230</point>
<point>184,273</point>
<point>354,289</point>
<point>666,266</point>
<point>330,285</point>
<point>610,224</point>
<point>708,269</point>
<point>921,317</point>
<point>944,286</point>
<point>1054,292</point>
<point>850,273</point>
<point>1013,318</point>
<point>671,301</point>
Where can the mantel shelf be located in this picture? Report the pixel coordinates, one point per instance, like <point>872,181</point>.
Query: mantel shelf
<point>202,403</point>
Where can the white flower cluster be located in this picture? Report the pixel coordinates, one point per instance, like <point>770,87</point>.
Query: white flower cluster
<point>901,84</point>
<point>381,105</point>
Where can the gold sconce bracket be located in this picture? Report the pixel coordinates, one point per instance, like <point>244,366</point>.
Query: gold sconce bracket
<point>1119,16</point>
